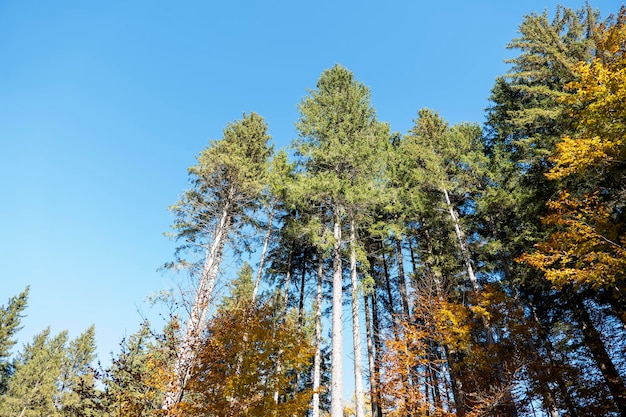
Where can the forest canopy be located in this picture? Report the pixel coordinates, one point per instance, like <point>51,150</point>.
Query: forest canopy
<point>480,270</point>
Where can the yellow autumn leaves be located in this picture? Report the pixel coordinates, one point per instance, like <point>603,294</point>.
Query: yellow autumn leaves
<point>587,246</point>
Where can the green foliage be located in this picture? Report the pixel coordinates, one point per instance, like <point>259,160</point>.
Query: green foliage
<point>10,318</point>
<point>32,387</point>
<point>229,177</point>
<point>240,290</point>
<point>133,383</point>
<point>76,385</point>
<point>342,145</point>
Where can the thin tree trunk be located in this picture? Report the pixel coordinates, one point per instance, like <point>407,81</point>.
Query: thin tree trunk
<point>279,364</point>
<point>187,351</point>
<point>456,384</point>
<point>434,378</point>
<point>302,283</point>
<point>356,327</point>
<point>614,381</point>
<point>287,281</point>
<point>266,241</point>
<point>404,299</point>
<point>317,361</point>
<point>392,310</point>
<point>336,398</point>
<point>370,355</point>
<point>377,346</point>
<point>412,252</point>
<point>489,331</point>
<point>464,252</point>
<point>542,375</point>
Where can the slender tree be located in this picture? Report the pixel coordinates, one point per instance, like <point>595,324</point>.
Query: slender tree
<point>226,184</point>
<point>338,139</point>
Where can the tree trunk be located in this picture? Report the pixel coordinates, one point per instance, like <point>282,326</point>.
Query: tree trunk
<point>287,281</point>
<point>336,398</point>
<point>266,241</point>
<point>279,363</point>
<point>375,370</point>
<point>317,361</point>
<point>187,351</point>
<point>356,327</point>
<point>459,234</point>
<point>392,310</point>
<point>614,381</point>
<point>370,356</point>
<point>404,299</point>
<point>302,284</point>
<point>456,383</point>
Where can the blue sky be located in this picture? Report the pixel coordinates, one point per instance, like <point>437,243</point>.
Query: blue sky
<point>104,105</point>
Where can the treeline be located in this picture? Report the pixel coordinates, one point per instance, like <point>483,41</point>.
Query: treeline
<point>486,265</point>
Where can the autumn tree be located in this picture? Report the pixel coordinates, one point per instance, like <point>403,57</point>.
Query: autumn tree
<point>585,251</point>
<point>235,372</point>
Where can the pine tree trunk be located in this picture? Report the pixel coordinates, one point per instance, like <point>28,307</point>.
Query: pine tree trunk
<point>302,292</point>
<point>456,384</point>
<point>489,331</point>
<point>336,399</point>
<point>287,288</point>
<point>317,361</point>
<point>356,327</point>
<point>614,381</point>
<point>370,356</point>
<point>279,363</point>
<point>187,351</point>
<point>375,370</point>
<point>392,310</point>
<point>459,234</point>
<point>266,241</point>
<point>404,299</point>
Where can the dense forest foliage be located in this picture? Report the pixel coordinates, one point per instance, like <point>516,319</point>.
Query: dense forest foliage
<point>481,271</point>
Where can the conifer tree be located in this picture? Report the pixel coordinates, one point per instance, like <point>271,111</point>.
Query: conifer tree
<point>339,136</point>
<point>32,387</point>
<point>77,377</point>
<point>10,319</point>
<point>227,182</point>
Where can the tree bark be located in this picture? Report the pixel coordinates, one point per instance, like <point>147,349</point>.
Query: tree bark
<point>336,398</point>
<point>356,327</point>
<point>370,356</point>
<point>186,354</point>
<point>394,324</point>
<point>302,285</point>
<point>404,299</point>
<point>614,381</point>
<point>317,361</point>
<point>266,241</point>
<point>375,369</point>
<point>459,234</point>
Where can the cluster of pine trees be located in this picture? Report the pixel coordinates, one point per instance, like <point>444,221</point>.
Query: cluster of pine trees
<point>486,266</point>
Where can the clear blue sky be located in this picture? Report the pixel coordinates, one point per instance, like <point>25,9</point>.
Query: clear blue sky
<point>104,105</point>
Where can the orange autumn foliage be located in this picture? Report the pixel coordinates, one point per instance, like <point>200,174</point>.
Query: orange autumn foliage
<point>585,249</point>
<point>600,108</point>
<point>588,245</point>
<point>236,372</point>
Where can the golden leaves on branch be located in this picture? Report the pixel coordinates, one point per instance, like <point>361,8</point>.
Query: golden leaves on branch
<point>599,105</point>
<point>585,249</point>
